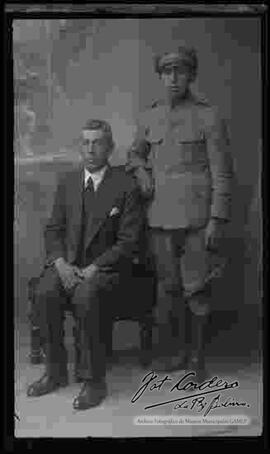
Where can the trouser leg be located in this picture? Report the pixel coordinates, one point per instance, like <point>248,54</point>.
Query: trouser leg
<point>195,269</point>
<point>197,317</point>
<point>92,300</point>
<point>170,304</point>
<point>51,298</point>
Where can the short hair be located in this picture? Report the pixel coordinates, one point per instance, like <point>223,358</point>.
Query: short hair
<point>187,55</point>
<point>100,125</point>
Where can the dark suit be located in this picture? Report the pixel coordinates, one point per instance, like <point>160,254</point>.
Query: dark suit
<point>111,239</point>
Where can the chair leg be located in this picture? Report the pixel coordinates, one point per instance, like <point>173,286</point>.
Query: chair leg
<point>36,354</point>
<point>108,335</point>
<point>36,351</point>
<point>146,340</point>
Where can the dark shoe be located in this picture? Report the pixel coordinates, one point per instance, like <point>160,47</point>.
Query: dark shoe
<point>92,393</point>
<point>45,385</point>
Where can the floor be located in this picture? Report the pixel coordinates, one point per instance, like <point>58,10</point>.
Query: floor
<point>53,415</point>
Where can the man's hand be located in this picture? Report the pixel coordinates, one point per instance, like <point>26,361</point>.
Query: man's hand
<point>145,180</point>
<point>70,275</point>
<point>214,232</point>
<point>135,161</point>
<point>140,149</point>
<point>89,272</point>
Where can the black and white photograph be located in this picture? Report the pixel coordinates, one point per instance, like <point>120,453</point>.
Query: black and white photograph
<point>138,272</point>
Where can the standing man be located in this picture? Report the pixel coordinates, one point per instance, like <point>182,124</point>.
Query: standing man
<point>184,169</point>
<point>89,240</point>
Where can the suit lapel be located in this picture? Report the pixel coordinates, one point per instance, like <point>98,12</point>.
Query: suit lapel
<point>104,198</point>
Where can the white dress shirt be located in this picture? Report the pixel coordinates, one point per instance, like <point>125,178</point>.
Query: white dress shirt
<point>97,177</point>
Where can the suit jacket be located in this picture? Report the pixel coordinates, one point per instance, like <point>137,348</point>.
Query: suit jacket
<point>113,227</point>
<point>190,164</point>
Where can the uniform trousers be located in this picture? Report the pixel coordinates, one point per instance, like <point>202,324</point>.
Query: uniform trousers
<point>181,264</point>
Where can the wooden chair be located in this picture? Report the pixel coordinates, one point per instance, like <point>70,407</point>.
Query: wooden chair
<point>136,299</point>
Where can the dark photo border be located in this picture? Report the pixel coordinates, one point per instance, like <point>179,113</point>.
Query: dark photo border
<point>20,10</point>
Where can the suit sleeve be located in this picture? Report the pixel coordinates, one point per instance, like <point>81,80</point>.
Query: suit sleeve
<point>130,225</point>
<point>55,230</point>
<point>221,167</point>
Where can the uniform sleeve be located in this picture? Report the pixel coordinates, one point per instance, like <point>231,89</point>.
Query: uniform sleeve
<point>138,163</point>
<point>220,164</point>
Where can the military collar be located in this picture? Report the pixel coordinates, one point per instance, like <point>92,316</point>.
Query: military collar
<point>192,98</point>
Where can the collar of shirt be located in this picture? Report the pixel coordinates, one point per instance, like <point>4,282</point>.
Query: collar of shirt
<point>97,177</point>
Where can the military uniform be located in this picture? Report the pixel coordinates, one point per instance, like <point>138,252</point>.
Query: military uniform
<point>189,171</point>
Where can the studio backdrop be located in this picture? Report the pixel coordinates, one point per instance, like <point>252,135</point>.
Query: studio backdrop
<point>69,70</point>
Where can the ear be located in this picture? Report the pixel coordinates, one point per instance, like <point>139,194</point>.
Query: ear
<point>192,77</point>
<point>112,147</point>
<point>156,60</point>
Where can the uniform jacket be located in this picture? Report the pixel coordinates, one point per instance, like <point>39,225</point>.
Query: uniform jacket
<point>190,164</point>
<point>113,224</point>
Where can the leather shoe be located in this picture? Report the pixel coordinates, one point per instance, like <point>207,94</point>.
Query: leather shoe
<point>92,393</point>
<point>45,385</point>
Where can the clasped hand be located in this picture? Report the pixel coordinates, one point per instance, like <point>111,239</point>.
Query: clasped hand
<point>71,275</point>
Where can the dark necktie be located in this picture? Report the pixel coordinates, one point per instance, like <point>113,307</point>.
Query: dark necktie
<point>89,185</point>
<point>88,197</point>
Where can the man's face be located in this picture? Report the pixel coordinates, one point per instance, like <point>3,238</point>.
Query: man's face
<point>95,149</point>
<point>176,79</point>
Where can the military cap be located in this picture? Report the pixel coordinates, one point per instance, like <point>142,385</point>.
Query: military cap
<point>185,56</point>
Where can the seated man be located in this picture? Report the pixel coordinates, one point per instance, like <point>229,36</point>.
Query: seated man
<point>91,236</point>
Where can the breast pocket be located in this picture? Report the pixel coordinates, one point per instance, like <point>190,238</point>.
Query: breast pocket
<point>156,134</point>
<point>191,150</point>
